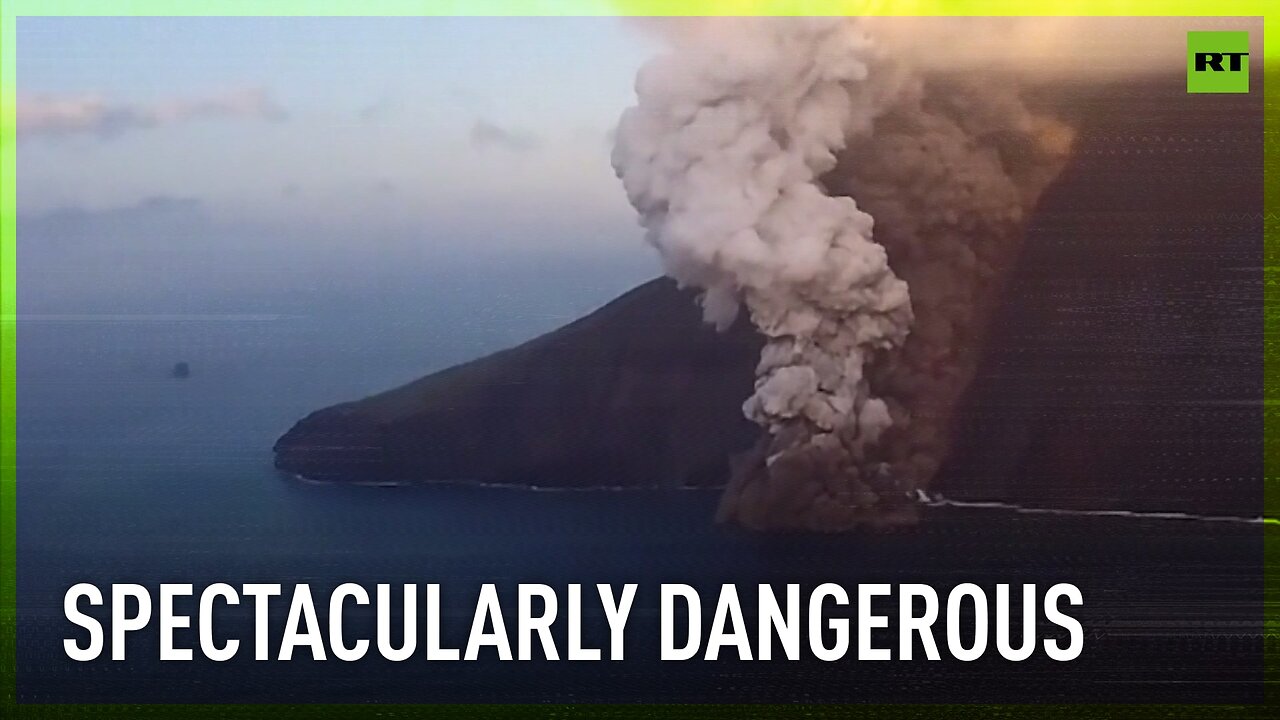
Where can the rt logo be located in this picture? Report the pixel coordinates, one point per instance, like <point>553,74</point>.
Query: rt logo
<point>1217,62</point>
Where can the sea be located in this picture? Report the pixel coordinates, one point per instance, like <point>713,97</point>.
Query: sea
<point>127,474</point>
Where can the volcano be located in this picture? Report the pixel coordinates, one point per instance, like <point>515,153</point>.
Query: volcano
<point>1123,367</point>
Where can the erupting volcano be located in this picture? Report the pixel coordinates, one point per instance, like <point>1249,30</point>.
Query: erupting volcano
<point>937,261</point>
<point>863,215</point>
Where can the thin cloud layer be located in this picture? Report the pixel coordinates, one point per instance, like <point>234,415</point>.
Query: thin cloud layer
<point>485,134</point>
<point>43,115</point>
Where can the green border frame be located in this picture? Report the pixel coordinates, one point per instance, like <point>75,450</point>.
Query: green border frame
<point>10,10</point>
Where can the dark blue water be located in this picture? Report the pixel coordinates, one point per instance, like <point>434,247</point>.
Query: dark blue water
<point>128,475</point>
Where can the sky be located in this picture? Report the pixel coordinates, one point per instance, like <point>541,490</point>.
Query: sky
<point>392,137</point>
<point>212,153</point>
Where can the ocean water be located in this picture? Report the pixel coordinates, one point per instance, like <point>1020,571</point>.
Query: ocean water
<point>128,475</point>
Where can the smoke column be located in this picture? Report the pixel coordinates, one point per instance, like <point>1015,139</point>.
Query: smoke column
<point>758,154</point>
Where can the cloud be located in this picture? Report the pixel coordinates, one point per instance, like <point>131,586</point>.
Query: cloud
<point>468,99</point>
<point>485,134</point>
<point>78,223</point>
<point>376,110</point>
<point>43,115</point>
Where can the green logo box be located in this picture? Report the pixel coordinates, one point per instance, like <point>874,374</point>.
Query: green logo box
<point>1217,61</point>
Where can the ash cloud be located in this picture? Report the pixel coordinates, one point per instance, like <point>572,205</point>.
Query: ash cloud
<point>863,206</point>
<point>1081,48</point>
<point>49,116</point>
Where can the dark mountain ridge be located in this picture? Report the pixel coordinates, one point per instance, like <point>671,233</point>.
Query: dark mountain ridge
<point>639,393</point>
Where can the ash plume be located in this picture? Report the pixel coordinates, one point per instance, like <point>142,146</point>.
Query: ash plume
<point>863,212</point>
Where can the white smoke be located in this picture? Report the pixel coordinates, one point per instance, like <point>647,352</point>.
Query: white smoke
<point>757,154</point>
<point>722,156</point>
